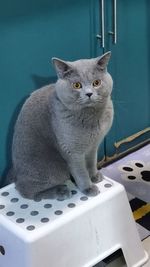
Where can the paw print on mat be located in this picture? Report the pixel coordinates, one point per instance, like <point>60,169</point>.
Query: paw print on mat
<point>135,170</point>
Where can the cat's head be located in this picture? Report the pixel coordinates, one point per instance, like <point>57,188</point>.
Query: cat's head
<point>83,83</point>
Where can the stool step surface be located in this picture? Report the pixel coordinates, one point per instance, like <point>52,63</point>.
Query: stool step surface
<point>31,215</point>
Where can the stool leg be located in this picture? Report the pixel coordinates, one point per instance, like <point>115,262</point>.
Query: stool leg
<point>132,246</point>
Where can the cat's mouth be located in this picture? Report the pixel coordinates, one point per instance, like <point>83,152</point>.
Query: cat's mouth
<point>93,102</point>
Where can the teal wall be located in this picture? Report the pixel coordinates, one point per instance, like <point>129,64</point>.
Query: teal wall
<point>31,32</point>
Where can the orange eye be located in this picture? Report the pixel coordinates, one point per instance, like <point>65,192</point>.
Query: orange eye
<point>96,83</point>
<point>77,85</point>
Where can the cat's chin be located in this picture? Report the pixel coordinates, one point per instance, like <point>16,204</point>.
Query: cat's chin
<point>91,104</point>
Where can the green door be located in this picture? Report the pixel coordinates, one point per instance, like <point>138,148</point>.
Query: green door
<point>129,67</point>
<point>97,44</point>
<point>31,33</point>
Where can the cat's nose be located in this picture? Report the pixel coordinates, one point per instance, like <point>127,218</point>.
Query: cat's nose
<point>89,94</point>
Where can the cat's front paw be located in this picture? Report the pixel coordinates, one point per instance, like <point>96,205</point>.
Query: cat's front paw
<point>97,178</point>
<point>92,191</point>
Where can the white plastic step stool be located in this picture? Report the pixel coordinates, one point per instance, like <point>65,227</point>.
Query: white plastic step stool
<point>78,232</point>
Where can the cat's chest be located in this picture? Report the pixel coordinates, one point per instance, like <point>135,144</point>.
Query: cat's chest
<point>79,132</point>
<point>73,139</point>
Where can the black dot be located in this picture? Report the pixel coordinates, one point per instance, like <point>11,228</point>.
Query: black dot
<point>30,227</point>
<point>24,206</point>
<point>146,176</point>
<point>2,250</point>
<point>4,194</point>
<point>10,213</point>
<point>58,212</point>
<point>2,207</point>
<point>139,165</point>
<point>34,212</point>
<point>59,199</point>
<point>108,185</point>
<point>14,200</point>
<point>37,199</point>
<point>131,177</point>
<point>44,220</point>
<point>20,220</point>
<point>128,169</point>
<point>84,198</point>
<point>74,192</point>
<point>71,205</point>
<point>47,206</point>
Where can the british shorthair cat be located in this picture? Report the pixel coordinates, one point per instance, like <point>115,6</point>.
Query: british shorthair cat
<point>59,129</point>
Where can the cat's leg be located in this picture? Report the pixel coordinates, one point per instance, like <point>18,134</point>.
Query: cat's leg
<point>80,173</point>
<point>28,184</point>
<point>91,164</point>
<point>59,192</point>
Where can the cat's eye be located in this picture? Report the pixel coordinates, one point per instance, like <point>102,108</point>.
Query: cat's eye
<point>77,85</point>
<point>96,83</point>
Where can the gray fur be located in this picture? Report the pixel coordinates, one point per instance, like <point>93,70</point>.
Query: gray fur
<point>58,131</point>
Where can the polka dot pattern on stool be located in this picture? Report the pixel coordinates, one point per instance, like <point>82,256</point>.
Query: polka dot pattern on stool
<point>30,215</point>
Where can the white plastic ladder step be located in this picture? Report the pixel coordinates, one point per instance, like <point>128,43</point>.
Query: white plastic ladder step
<point>78,232</point>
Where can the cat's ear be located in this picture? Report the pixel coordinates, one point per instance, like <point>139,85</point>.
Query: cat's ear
<point>103,61</point>
<point>63,68</point>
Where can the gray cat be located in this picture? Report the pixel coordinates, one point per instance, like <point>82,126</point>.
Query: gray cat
<point>59,128</point>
